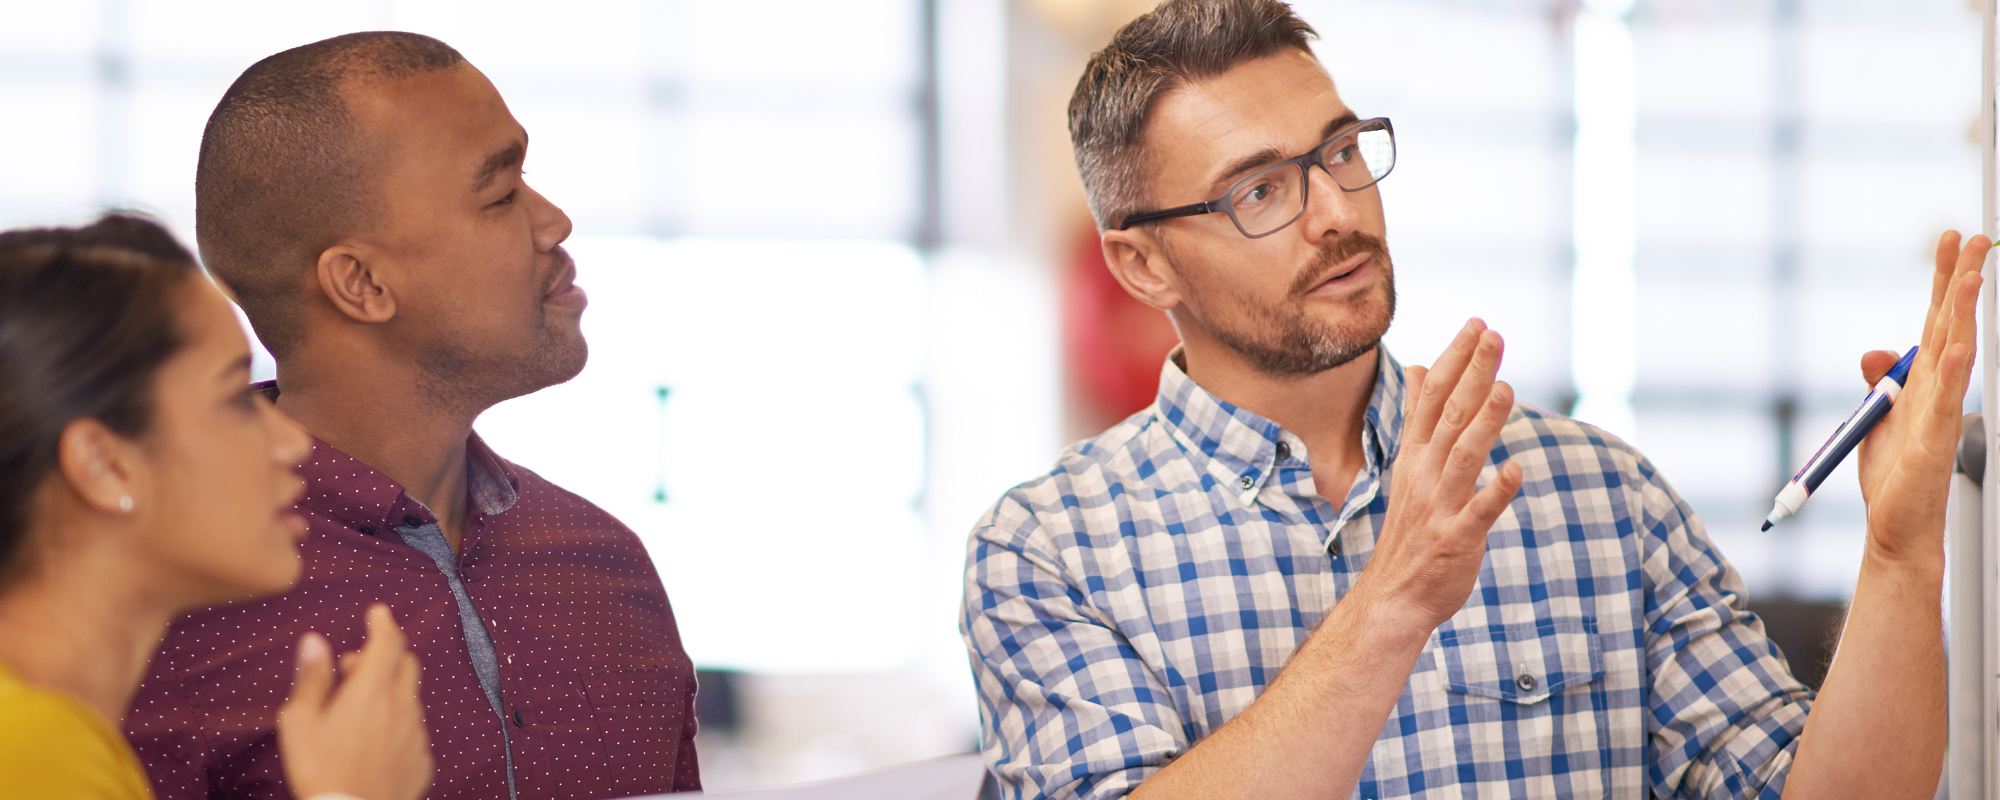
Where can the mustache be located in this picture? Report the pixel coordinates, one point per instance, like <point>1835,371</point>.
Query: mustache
<point>560,268</point>
<point>1334,252</point>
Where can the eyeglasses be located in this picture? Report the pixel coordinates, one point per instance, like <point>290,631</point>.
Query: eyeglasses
<point>1357,157</point>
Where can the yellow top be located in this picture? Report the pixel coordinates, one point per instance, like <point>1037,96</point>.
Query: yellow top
<point>55,746</point>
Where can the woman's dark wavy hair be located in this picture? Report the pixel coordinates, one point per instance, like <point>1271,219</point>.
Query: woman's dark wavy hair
<point>86,319</point>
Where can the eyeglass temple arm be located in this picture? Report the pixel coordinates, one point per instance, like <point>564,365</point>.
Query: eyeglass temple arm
<point>1189,210</point>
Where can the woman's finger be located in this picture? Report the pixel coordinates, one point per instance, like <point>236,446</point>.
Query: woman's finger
<point>383,630</point>
<point>312,677</point>
<point>385,640</point>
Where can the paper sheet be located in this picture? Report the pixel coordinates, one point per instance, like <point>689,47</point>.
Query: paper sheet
<point>949,778</point>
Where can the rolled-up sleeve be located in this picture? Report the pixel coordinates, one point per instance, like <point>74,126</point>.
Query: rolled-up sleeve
<point>1068,707</point>
<point>1725,713</point>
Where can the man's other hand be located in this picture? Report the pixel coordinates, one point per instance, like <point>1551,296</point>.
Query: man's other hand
<point>1434,537</point>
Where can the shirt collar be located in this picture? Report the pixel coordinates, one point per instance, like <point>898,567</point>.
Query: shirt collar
<point>1242,447</point>
<point>357,495</point>
<point>490,482</point>
<point>342,487</point>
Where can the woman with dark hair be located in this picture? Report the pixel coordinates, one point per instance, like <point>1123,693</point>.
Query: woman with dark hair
<point>140,477</point>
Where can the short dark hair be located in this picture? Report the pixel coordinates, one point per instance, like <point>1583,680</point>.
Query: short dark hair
<point>87,317</point>
<point>282,174</point>
<point>1180,41</point>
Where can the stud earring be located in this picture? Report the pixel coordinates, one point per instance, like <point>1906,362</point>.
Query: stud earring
<point>125,503</point>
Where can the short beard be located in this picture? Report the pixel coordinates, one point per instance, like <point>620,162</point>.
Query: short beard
<point>461,376</point>
<point>1283,341</point>
<point>460,379</point>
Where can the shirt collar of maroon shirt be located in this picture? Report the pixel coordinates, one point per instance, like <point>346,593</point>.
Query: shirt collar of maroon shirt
<point>342,487</point>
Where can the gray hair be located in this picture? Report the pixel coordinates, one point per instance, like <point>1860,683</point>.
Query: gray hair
<point>1180,41</point>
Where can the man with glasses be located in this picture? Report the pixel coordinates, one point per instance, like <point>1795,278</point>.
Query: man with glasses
<point>1305,572</point>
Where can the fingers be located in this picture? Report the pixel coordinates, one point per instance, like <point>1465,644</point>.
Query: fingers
<point>1952,372</point>
<point>376,661</point>
<point>1413,387</point>
<point>1963,323</point>
<point>1954,375</point>
<point>312,679</point>
<point>385,637</point>
<point>1950,311</point>
<point>1875,364</point>
<point>1938,380</point>
<point>1972,257</point>
<point>1468,455</point>
<point>383,632</point>
<point>1946,260</point>
<point>1954,323</point>
<point>1439,382</point>
<point>409,677</point>
<point>1468,398</point>
<point>1485,507</point>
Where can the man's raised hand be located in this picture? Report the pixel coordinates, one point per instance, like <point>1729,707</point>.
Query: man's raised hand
<point>1905,463</point>
<point>1428,554</point>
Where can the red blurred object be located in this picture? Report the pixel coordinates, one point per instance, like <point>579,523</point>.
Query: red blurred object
<point>1113,344</point>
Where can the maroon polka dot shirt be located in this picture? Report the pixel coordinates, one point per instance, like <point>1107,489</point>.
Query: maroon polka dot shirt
<point>594,683</point>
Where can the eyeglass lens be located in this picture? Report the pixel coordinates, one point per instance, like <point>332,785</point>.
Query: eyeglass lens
<point>1270,199</point>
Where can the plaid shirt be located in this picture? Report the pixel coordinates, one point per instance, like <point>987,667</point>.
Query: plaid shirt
<point>1142,594</point>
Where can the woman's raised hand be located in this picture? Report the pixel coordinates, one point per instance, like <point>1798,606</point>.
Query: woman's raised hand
<point>366,738</point>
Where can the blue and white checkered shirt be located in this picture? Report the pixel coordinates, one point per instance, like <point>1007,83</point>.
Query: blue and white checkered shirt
<point>1142,594</point>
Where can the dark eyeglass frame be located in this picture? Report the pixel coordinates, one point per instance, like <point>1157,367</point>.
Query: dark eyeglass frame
<point>1312,158</point>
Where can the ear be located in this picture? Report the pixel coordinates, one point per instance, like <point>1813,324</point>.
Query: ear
<point>101,468</point>
<point>348,279</point>
<point>1141,266</point>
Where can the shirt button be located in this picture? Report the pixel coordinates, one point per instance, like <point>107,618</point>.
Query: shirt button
<point>368,529</point>
<point>1284,451</point>
<point>1247,482</point>
<point>1526,682</point>
<point>517,718</point>
<point>413,520</point>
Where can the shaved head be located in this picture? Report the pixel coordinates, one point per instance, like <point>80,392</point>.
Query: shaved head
<point>285,172</point>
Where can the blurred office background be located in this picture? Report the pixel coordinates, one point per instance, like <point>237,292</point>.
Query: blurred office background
<point>844,289</point>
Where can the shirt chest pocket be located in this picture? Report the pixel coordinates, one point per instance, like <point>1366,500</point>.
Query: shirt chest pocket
<point>1524,702</point>
<point>1523,664</point>
<point>640,714</point>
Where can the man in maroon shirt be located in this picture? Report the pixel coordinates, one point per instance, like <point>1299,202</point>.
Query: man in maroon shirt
<point>363,197</point>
